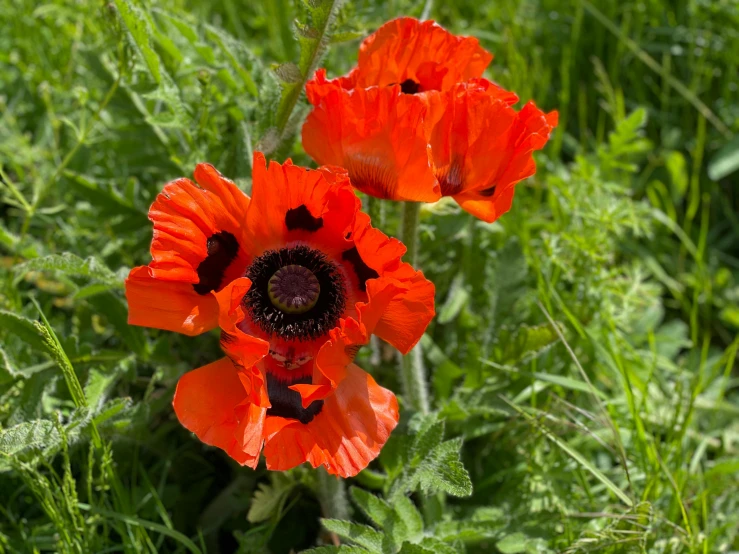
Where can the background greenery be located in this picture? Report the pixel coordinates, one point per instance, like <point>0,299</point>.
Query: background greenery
<point>583,361</point>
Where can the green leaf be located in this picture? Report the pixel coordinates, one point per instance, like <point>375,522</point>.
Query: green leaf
<point>443,471</point>
<point>426,440</point>
<point>97,387</point>
<point>456,300</point>
<point>408,514</point>
<point>518,543</point>
<point>288,73</point>
<point>438,547</point>
<point>111,409</point>
<point>524,343</point>
<point>346,36</point>
<point>679,179</point>
<point>373,507</point>
<point>37,434</point>
<point>512,544</point>
<point>411,548</point>
<point>341,549</point>
<point>139,34</point>
<point>268,498</point>
<point>8,239</point>
<point>725,161</point>
<point>363,535</point>
<point>24,328</point>
<point>69,264</point>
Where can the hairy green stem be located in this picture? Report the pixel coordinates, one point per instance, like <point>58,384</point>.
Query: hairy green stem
<point>332,495</point>
<point>307,68</point>
<point>412,370</point>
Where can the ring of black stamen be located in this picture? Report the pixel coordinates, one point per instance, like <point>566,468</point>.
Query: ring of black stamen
<point>313,323</point>
<point>288,403</point>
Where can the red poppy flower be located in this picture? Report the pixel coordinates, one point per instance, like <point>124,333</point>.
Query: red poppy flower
<point>298,280</point>
<point>414,121</point>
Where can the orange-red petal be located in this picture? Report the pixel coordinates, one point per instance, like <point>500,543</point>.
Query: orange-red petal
<point>344,437</point>
<point>212,403</point>
<point>172,306</point>
<point>482,147</point>
<point>402,316</point>
<point>425,52</point>
<point>377,134</point>
<point>193,225</point>
<point>291,203</point>
<point>186,215</point>
<point>245,350</point>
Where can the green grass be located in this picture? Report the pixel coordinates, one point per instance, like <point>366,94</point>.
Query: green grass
<point>582,366</point>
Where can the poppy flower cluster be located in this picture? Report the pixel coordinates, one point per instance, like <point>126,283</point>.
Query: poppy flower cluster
<point>295,276</point>
<point>415,121</point>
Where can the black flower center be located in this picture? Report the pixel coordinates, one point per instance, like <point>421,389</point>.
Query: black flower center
<point>296,293</point>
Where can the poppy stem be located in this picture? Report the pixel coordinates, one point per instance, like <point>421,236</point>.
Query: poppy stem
<point>413,372</point>
<point>409,230</point>
<point>332,495</point>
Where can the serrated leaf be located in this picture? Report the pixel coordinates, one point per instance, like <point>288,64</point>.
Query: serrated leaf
<point>438,547</point>
<point>269,497</point>
<point>444,471</point>
<point>289,73</point>
<point>167,92</point>
<point>97,387</point>
<point>37,434</point>
<point>409,515</point>
<point>375,508</point>
<point>426,440</point>
<point>22,327</point>
<point>363,535</point>
<point>111,409</point>
<point>69,264</point>
<point>140,36</point>
<point>411,548</point>
<point>341,549</point>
